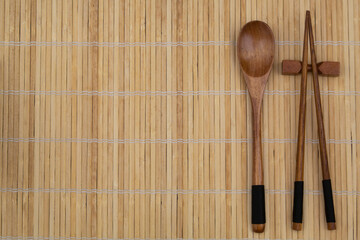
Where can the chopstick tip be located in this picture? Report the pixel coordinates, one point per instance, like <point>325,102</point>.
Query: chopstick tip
<point>297,226</point>
<point>331,226</point>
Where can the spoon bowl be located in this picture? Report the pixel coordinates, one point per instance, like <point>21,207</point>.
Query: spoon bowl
<point>256,49</point>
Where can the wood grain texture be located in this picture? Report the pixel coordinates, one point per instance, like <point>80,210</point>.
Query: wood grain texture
<point>289,66</point>
<point>256,47</point>
<point>328,196</point>
<point>319,111</point>
<point>299,174</point>
<point>131,119</point>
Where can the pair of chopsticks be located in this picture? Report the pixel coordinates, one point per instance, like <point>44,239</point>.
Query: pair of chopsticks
<point>299,178</point>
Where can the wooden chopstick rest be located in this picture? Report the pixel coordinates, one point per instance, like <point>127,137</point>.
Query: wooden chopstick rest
<point>293,67</point>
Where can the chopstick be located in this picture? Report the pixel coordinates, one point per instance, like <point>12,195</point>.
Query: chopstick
<point>299,175</point>
<point>328,196</point>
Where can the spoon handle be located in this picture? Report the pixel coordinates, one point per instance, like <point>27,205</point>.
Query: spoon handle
<point>258,190</point>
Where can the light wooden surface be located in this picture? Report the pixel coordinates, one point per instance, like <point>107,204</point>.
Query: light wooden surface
<point>129,119</point>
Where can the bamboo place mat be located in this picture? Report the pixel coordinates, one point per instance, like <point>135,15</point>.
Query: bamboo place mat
<point>130,119</point>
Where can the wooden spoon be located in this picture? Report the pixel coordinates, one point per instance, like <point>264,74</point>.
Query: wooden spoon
<point>256,49</point>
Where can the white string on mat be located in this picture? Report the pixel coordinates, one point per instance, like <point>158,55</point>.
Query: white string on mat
<point>122,93</point>
<point>168,93</point>
<point>124,141</point>
<point>165,191</point>
<point>319,42</point>
<point>117,44</point>
<point>164,44</point>
<point>94,238</point>
<point>172,141</point>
